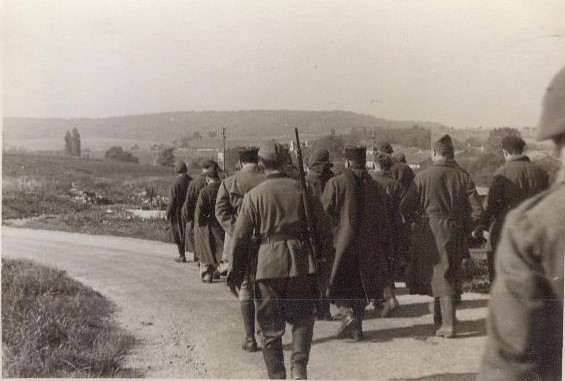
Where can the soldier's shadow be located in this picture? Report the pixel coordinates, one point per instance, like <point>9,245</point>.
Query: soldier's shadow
<point>420,309</point>
<point>465,329</point>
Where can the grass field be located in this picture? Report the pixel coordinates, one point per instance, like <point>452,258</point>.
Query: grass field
<point>52,326</point>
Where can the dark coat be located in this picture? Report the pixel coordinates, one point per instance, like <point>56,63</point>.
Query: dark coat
<point>525,323</point>
<point>358,208</point>
<point>444,205</point>
<point>208,233</point>
<point>230,199</point>
<point>402,173</point>
<point>177,197</point>
<point>188,208</point>
<point>273,212</point>
<point>512,183</point>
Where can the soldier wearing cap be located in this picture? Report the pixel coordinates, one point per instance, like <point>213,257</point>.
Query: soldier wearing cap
<point>512,183</point>
<point>285,266</point>
<point>444,206</point>
<point>177,197</point>
<point>228,205</point>
<point>395,193</point>
<point>319,173</point>
<point>189,205</point>
<point>525,323</point>
<point>208,233</point>
<point>401,172</point>
<point>358,208</point>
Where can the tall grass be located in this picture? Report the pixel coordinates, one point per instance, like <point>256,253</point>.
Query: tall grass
<point>52,326</point>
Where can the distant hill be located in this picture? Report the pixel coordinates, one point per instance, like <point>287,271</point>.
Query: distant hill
<point>166,127</point>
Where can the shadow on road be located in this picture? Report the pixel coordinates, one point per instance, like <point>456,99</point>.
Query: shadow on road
<point>465,329</point>
<point>443,377</point>
<point>421,309</point>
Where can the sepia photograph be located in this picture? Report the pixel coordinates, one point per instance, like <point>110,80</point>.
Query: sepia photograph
<point>321,189</point>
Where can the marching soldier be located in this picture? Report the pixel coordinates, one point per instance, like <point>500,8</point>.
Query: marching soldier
<point>395,193</point>
<point>228,205</point>
<point>189,205</point>
<point>285,265</point>
<point>443,203</point>
<point>319,173</point>
<point>401,172</point>
<point>174,209</point>
<point>358,208</point>
<point>208,233</point>
<point>512,183</point>
<point>525,324</point>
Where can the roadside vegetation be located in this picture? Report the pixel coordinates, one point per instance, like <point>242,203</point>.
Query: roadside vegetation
<point>53,326</point>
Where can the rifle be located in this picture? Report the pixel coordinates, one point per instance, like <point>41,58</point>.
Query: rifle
<point>312,239</point>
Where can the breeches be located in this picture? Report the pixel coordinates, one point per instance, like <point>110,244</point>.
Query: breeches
<point>284,300</point>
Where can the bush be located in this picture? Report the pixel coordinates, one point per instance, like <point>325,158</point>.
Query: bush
<point>118,153</point>
<point>166,157</point>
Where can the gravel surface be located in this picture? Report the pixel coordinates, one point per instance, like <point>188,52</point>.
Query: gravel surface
<point>188,329</point>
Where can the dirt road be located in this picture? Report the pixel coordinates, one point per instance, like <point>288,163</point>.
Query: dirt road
<point>192,330</point>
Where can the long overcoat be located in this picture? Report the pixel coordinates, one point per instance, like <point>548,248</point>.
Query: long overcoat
<point>443,205</point>
<point>177,197</point>
<point>188,207</point>
<point>208,233</point>
<point>230,199</point>
<point>358,208</point>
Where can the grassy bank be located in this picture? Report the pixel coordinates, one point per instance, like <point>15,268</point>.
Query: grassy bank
<point>52,326</point>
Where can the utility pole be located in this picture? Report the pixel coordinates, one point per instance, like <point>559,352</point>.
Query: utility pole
<point>373,145</point>
<point>224,149</point>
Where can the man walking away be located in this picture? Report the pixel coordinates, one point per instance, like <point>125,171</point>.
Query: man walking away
<point>208,233</point>
<point>177,196</point>
<point>443,203</point>
<point>285,264</point>
<point>401,171</point>
<point>319,173</point>
<point>395,193</point>
<point>357,207</point>
<point>189,205</point>
<point>228,205</point>
<point>512,183</point>
<point>525,323</point>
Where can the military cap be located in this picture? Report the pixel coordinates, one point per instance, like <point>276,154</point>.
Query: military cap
<point>248,154</point>
<point>356,153</point>
<point>513,144</point>
<point>180,167</point>
<point>385,147</point>
<point>399,156</point>
<point>444,145</point>
<point>552,121</point>
<point>384,160</point>
<point>272,153</point>
<point>319,156</point>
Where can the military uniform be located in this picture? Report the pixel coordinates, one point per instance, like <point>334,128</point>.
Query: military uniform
<point>512,183</point>
<point>402,173</point>
<point>358,208</point>
<point>525,323</point>
<point>285,266</point>
<point>228,205</point>
<point>208,233</point>
<point>177,197</point>
<point>188,209</point>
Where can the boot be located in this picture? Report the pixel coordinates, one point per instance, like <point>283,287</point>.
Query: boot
<point>248,314</point>
<point>447,306</point>
<point>301,342</point>
<point>274,360</point>
<point>389,306</point>
<point>346,324</point>
<point>180,258</point>
<point>357,331</point>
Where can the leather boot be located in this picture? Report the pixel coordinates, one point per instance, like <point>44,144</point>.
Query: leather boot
<point>347,323</point>
<point>301,342</point>
<point>357,331</point>
<point>447,306</point>
<point>248,315</point>
<point>274,360</point>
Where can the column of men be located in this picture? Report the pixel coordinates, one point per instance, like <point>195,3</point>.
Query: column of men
<point>371,227</point>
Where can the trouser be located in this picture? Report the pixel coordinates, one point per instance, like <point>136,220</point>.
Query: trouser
<point>177,232</point>
<point>490,264</point>
<point>280,301</point>
<point>353,298</point>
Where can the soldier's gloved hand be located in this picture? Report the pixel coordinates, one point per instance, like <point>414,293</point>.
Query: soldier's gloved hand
<point>234,281</point>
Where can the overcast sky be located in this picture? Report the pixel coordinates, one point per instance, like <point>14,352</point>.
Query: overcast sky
<point>461,63</point>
